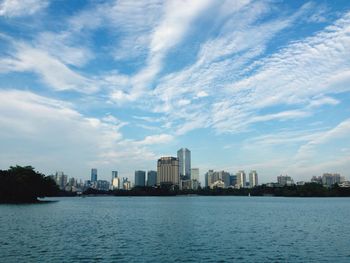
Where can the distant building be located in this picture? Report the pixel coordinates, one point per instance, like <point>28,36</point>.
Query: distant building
<point>168,171</point>
<point>186,184</point>
<point>184,156</point>
<point>195,174</point>
<point>114,174</point>
<point>93,175</point>
<point>253,179</point>
<point>241,179</point>
<point>233,180</point>
<point>285,180</point>
<point>102,185</point>
<point>214,178</point>
<point>316,179</point>
<point>116,183</point>
<point>126,184</point>
<point>140,178</point>
<point>61,180</point>
<point>195,178</point>
<point>329,179</point>
<point>218,184</point>
<point>151,178</point>
<point>208,176</point>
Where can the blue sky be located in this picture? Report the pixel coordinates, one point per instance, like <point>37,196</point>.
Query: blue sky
<point>116,84</point>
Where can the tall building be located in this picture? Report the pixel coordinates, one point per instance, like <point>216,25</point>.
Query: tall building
<point>61,180</point>
<point>329,179</point>
<point>184,156</point>
<point>195,174</point>
<point>93,175</point>
<point>151,178</point>
<point>233,179</point>
<point>168,171</point>
<point>253,179</point>
<point>217,179</point>
<point>116,183</point>
<point>195,178</point>
<point>114,174</point>
<point>126,184</point>
<point>240,179</point>
<point>285,180</point>
<point>208,177</point>
<point>140,178</point>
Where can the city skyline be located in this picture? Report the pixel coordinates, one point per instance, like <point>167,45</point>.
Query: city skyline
<point>115,85</point>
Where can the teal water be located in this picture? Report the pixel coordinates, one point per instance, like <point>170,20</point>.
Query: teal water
<point>177,229</point>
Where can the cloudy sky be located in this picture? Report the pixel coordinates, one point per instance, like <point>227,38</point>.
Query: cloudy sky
<point>114,85</point>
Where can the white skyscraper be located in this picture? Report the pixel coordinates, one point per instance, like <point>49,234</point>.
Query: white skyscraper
<point>253,179</point>
<point>241,179</point>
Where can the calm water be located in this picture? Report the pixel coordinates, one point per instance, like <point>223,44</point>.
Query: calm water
<point>177,229</point>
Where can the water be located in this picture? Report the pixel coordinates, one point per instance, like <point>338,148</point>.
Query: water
<point>177,229</point>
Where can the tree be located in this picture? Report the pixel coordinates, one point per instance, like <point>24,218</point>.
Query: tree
<point>24,184</point>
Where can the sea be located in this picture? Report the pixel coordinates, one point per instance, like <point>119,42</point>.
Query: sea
<point>176,229</point>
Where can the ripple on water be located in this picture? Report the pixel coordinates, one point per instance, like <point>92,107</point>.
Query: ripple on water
<point>177,229</point>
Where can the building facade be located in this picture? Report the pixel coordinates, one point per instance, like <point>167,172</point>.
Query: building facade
<point>140,178</point>
<point>241,180</point>
<point>253,179</point>
<point>151,178</point>
<point>93,175</point>
<point>168,171</point>
<point>184,156</point>
<point>285,180</point>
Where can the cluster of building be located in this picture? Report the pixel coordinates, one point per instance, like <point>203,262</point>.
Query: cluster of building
<point>327,180</point>
<point>222,179</point>
<point>177,172</point>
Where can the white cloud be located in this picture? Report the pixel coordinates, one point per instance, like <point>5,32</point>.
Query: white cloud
<point>14,8</point>
<point>52,71</point>
<point>50,134</point>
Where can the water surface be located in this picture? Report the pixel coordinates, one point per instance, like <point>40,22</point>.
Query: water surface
<point>177,229</point>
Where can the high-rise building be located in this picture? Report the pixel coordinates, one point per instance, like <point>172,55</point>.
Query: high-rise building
<point>168,171</point>
<point>195,174</point>
<point>208,177</point>
<point>241,179</point>
<point>151,178</point>
<point>233,179</point>
<point>184,156</point>
<point>195,178</point>
<point>253,179</point>
<point>140,178</point>
<point>329,179</point>
<point>114,174</point>
<point>283,180</point>
<point>116,183</point>
<point>126,184</point>
<point>61,180</point>
<point>93,175</point>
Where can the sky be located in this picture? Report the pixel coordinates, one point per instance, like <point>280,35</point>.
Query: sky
<point>115,85</point>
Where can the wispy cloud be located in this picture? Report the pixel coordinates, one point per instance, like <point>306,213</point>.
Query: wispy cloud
<point>15,8</point>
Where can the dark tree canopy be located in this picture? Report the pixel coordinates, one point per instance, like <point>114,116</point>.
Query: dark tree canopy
<point>24,184</point>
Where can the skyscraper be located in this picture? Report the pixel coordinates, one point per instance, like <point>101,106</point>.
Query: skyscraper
<point>151,178</point>
<point>114,174</point>
<point>93,175</point>
<point>168,171</point>
<point>115,180</point>
<point>140,178</point>
<point>195,174</point>
<point>184,156</point>
<point>253,179</point>
<point>241,179</point>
